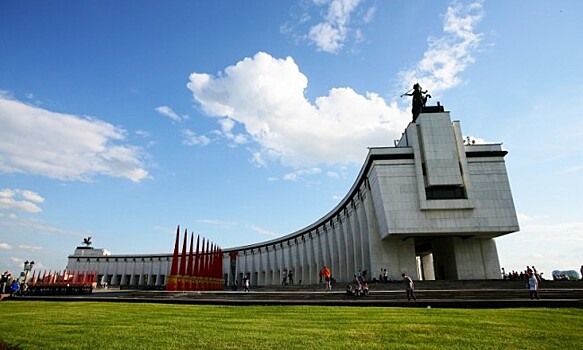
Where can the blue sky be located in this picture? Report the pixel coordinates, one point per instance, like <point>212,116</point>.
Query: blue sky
<point>245,121</point>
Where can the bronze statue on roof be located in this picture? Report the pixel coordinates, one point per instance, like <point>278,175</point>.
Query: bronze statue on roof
<point>419,99</point>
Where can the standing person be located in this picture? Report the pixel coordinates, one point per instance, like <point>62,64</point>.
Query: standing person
<point>14,288</point>
<point>246,282</point>
<point>328,277</point>
<point>409,287</point>
<point>4,281</point>
<point>533,286</point>
<point>290,277</point>
<point>320,274</point>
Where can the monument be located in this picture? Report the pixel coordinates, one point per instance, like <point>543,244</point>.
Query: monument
<point>430,206</point>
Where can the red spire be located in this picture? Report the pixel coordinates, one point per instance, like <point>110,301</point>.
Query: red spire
<point>197,258</point>
<point>182,270</point>
<point>202,260</point>
<point>174,268</point>
<point>189,267</point>
<point>207,260</point>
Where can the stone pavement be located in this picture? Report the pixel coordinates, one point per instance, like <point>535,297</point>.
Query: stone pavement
<point>440,294</point>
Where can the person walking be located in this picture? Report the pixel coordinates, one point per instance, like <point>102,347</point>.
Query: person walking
<point>328,277</point>
<point>409,287</point>
<point>246,283</point>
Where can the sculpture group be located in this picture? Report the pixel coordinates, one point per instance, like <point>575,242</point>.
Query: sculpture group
<point>199,269</point>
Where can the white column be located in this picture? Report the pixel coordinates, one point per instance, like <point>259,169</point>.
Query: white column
<point>341,243</point>
<point>349,245</point>
<point>358,261</point>
<point>304,261</point>
<point>315,255</point>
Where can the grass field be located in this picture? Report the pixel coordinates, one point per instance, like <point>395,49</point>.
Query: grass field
<point>90,325</point>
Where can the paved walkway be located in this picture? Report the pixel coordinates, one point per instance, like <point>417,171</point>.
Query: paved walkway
<point>456,295</point>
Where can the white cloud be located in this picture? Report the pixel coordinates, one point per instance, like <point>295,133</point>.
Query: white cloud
<point>29,247</point>
<point>266,96</point>
<point>32,196</point>
<point>190,138</point>
<point>257,159</point>
<point>298,174</point>
<point>337,197</point>
<point>333,174</point>
<point>33,225</point>
<point>329,24</point>
<point>143,133</point>
<point>169,113</point>
<point>330,35</point>
<point>263,231</point>
<point>326,37</point>
<point>542,242</point>
<point>227,126</point>
<point>450,54</point>
<point>63,146</point>
<point>220,223</point>
<point>15,199</point>
<point>5,246</point>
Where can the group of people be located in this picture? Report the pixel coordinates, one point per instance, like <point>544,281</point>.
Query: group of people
<point>287,277</point>
<point>245,281</point>
<point>357,289</point>
<point>522,275</point>
<point>11,285</point>
<point>530,275</point>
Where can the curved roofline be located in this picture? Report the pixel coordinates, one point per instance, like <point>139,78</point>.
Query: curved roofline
<point>374,153</point>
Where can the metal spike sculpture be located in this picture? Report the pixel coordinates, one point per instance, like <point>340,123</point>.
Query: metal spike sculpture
<point>68,282</point>
<point>195,270</point>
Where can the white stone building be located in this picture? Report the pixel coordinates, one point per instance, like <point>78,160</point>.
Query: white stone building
<point>430,206</point>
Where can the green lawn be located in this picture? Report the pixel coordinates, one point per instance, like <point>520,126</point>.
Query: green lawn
<point>90,325</point>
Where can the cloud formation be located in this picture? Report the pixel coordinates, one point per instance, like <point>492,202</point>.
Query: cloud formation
<point>63,146</point>
<point>190,138</point>
<point>330,34</point>
<point>546,235</point>
<point>170,114</point>
<point>332,28</point>
<point>265,95</point>
<point>449,55</point>
<point>20,200</point>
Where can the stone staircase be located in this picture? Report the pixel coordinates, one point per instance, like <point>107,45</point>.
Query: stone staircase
<point>451,294</point>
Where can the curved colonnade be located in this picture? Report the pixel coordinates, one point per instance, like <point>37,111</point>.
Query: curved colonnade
<point>431,207</point>
<point>340,240</point>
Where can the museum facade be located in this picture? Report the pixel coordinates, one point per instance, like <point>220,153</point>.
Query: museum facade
<point>430,206</point>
